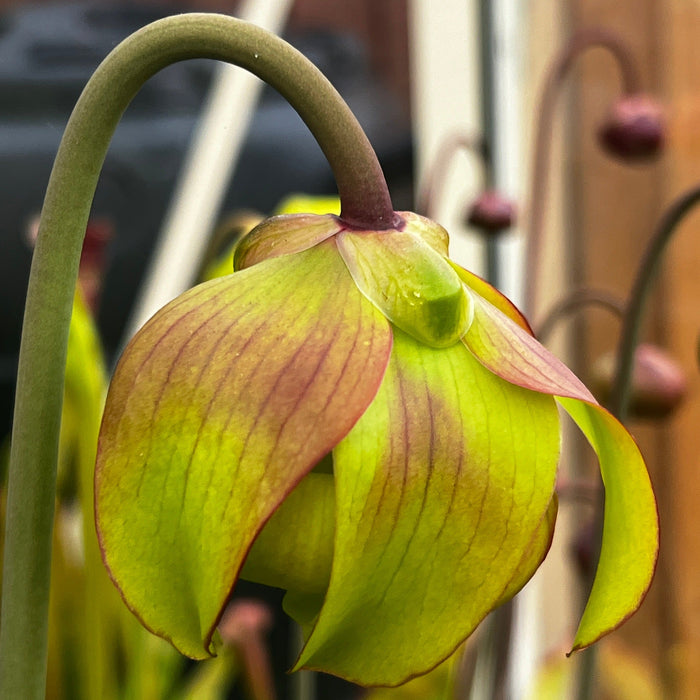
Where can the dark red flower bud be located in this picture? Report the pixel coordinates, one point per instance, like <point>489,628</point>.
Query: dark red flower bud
<point>491,212</point>
<point>635,129</point>
<point>659,385</point>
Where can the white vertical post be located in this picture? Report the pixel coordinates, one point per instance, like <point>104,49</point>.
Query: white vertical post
<point>445,100</point>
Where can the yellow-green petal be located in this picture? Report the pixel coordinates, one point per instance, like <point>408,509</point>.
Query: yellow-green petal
<point>218,408</point>
<point>509,351</point>
<point>535,553</point>
<point>283,235</point>
<point>441,491</point>
<point>492,296</point>
<point>630,532</point>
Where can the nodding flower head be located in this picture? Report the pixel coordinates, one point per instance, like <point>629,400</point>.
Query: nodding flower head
<point>356,419</point>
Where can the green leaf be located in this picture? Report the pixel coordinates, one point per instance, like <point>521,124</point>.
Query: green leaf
<point>440,489</point>
<point>218,408</point>
<point>630,531</point>
<point>413,285</point>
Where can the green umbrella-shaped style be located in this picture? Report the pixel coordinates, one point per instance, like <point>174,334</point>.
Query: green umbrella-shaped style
<point>356,419</point>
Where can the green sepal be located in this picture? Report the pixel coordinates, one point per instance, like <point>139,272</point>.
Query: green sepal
<point>412,284</point>
<point>535,553</point>
<point>428,230</point>
<point>284,234</point>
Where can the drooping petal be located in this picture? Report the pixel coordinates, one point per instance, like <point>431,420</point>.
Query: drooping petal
<point>630,538</point>
<point>630,532</point>
<point>413,285</point>
<point>493,296</point>
<point>514,355</point>
<point>218,408</point>
<point>441,489</point>
<point>282,235</point>
<point>295,548</point>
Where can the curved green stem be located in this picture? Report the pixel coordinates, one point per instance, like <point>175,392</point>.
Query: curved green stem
<point>639,295</point>
<point>624,366</point>
<point>32,475</point>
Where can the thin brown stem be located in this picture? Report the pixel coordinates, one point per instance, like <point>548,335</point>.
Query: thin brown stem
<point>434,179</point>
<point>580,42</point>
<point>575,301</point>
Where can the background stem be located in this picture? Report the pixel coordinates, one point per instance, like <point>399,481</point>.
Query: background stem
<point>639,295</point>
<point>539,176</point>
<point>574,302</point>
<point>624,366</point>
<point>32,473</point>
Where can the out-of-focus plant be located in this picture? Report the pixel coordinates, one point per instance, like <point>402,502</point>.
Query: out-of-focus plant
<point>491,212</point>
<point>97,649</point>
<point>349,416</point>
<point>633,132</point>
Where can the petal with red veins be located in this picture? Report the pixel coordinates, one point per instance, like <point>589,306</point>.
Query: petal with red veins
<point>441,491</point>
<point>218,408</point>
<point>283,235</point>
<point>509,351</point>
<point>630,533</point>
<point>493,296</point>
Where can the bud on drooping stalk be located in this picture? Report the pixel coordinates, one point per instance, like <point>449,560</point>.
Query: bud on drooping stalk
<point>634,129</point>
<point>491,212</point>
<point>658,383</point>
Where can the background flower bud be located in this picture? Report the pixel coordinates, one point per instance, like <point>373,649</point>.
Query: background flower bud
<point>491,212</point>
<point>658,383</point>
<point>634,129</point>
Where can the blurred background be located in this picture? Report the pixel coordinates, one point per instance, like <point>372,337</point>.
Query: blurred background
<point>422,76</point>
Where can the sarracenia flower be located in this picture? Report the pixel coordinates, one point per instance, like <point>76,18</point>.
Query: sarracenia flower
<point>354,418</point>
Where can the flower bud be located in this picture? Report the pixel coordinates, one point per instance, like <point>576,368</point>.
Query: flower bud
<point>658,383</point>
<point>634,129</point>
<point>491,212</point>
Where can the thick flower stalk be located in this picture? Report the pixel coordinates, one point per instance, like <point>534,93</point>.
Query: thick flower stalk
<point>354,418</point>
